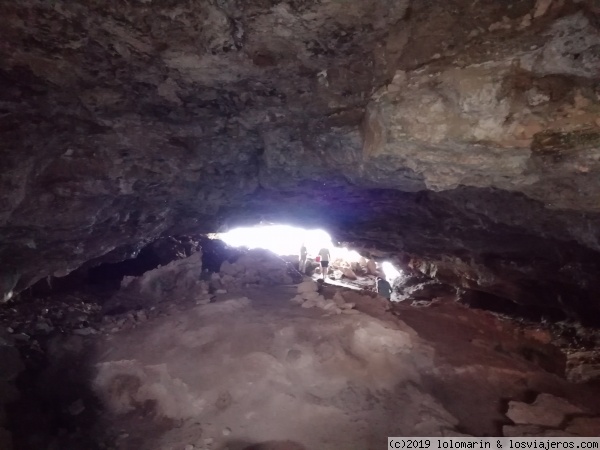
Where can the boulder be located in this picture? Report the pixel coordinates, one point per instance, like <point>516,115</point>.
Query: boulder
<point>298,299</point>
<point>338,298</point>
<point>321,302</point>
<point>312,295</point>
<point>547,410</point>
<point>180,278</point>
<point>233,269</point>
<point>349,273</point>
<point>307,286</point>
<point>228,280</point>
<point>259,266</point>
<point>309,304</point>
<point>311,299</point>
<point>372,267</point>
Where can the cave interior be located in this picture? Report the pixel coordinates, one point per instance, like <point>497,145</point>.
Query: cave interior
<point>457,139</point>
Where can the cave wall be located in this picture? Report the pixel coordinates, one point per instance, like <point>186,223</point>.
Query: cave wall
<point>464,133</point>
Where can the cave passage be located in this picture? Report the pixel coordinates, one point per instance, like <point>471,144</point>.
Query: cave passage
<point>445,152</point>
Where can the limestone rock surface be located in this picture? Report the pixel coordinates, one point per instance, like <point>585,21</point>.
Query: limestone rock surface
<point>465,134</point>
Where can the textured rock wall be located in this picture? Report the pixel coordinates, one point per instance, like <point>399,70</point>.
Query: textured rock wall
<point>465,133</point>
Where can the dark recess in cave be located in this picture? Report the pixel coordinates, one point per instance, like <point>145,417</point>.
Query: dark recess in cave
<point>107,276</point>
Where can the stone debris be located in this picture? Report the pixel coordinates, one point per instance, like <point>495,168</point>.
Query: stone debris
<point>578,426</point>
<point>307,286</point>
<point>309,297</point>
<point>583,366</point>
<point>257,267</point>
<point>547,411</point>
<point>85,331</point>
<point>425,291</point>
<point>180,278</point>
<point>44,327</point>
<point>48,316</point>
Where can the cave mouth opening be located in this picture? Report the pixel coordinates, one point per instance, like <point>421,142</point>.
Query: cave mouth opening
<point>287,240</point>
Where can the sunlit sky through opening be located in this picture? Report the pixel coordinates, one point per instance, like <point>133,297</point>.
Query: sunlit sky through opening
<point>280,239</point>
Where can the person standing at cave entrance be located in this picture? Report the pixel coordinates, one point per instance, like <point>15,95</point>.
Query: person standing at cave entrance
<point>303,255</point>
<point>384,288</point>
<point>325,257</point>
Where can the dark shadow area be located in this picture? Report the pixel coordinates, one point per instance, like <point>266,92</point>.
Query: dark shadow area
<point>490,302</point>
<point>215,252</point>
<point>107,276</point>
<point>57,409</point>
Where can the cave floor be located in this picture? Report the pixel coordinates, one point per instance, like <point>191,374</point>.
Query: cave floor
<point>258,372</point>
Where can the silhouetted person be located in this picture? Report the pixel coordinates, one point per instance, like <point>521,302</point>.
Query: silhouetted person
<point>325,257</point>
<point>384,288</point>
<point>303,255</point>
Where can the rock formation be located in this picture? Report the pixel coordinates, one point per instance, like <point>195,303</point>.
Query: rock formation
<point>466,134</point>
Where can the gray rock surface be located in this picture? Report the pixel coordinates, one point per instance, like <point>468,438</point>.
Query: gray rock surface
<point>546,411</point>
<point>258,266</point>
<point>467,136</point>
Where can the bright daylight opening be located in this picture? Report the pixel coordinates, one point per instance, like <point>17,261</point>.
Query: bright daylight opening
<point>390,272</point>
<point>280,239</point>
<point>286,240</point>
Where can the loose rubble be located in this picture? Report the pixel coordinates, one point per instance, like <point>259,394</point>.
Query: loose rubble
<point>256,267</point>
<point>309,297</point>
<point>583,366</point>
<point>180,278</point>
<point>549,416</point>
<point>179,285</point>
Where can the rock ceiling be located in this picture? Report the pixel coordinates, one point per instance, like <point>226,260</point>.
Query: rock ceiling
<point>464,132</point>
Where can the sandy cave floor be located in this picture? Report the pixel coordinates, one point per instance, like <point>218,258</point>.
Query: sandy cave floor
<point>259,372</point>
